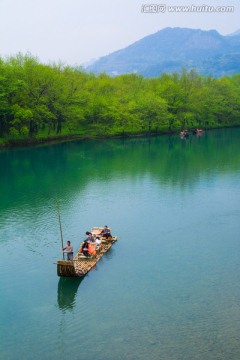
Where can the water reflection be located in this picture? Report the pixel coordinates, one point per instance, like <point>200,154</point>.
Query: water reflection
<point>183,194</point>
<point>32,174</point>
<point>67,291</point>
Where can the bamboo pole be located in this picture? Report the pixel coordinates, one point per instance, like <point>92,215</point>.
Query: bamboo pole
<point>60,224</point>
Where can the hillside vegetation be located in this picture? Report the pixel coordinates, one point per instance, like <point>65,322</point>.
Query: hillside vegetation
<point>40,101</point>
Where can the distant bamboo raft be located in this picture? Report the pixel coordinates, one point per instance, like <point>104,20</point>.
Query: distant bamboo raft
<point>81,264</point>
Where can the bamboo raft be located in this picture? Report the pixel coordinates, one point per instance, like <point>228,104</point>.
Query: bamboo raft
<point>81,264</point>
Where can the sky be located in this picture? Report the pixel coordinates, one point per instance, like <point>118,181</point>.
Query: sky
<point>74,32</point>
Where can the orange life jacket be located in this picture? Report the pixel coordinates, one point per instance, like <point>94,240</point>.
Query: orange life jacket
<point>91,249</point>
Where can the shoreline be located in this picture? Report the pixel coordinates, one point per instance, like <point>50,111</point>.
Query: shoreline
<point>14,144</point>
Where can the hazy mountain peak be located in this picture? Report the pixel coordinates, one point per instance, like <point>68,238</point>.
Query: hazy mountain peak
<point>171,49</point>
<point>235,33</point>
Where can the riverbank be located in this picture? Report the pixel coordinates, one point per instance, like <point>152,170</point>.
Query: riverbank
<point>57,139</point>
<point>11,144</point>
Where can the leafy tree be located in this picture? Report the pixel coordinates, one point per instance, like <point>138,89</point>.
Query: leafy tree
<point>46,100</point>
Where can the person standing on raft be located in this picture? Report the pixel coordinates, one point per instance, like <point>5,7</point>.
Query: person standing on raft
<point>68,250</point>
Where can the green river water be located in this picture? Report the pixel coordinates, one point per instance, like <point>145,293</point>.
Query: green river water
<point>168,289</point>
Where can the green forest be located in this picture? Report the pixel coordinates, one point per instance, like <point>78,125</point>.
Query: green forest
<point>39,101</point>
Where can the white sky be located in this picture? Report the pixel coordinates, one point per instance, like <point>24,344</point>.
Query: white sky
<point>75,31</point>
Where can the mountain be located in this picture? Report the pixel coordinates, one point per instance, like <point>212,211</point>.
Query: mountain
<point>172,49</point>
<point>237,32</point>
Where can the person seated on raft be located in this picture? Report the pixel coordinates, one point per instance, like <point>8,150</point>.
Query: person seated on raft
<point>90,237</point>
<point>88,249</point>
<point>84,248</point>
<point>98,242</point>
<point>106,233</point>
<point>197,131</point>
<point>88,246</point>
<point>184,134</point>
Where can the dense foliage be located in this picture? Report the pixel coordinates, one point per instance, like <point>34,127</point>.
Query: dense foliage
<point>41,101</point>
